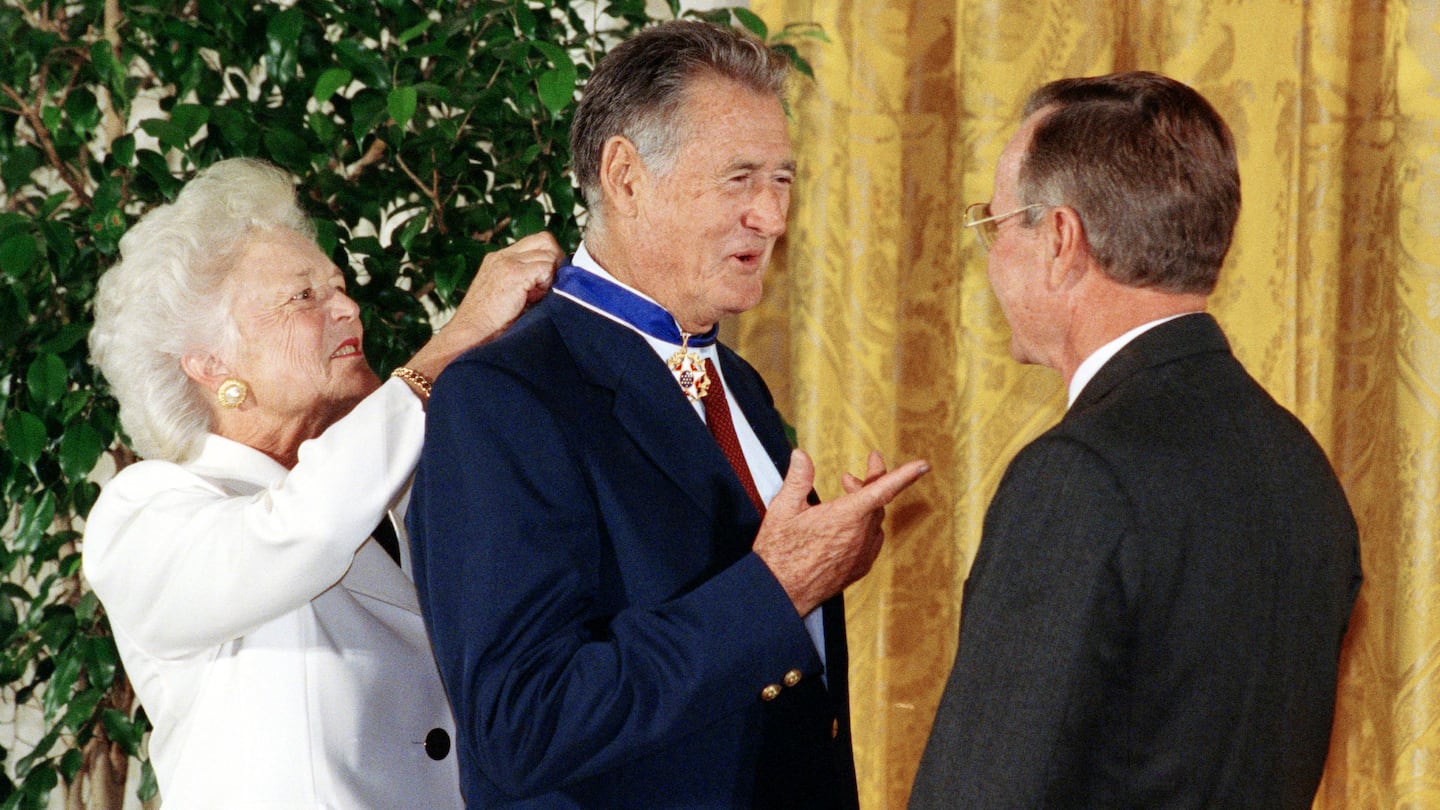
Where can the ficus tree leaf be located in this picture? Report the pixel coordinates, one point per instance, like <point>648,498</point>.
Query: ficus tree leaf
<point>25,436</point>
<point>401,104</point>
<point>46,378</point>
<point>330,81</point>
<point>282,36</point>
<point>80,448</point>
<point>751,21</point>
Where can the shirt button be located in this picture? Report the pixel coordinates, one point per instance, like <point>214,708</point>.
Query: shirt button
<point>437,744</point>
<point>770,692</point>
<point>793,677</point>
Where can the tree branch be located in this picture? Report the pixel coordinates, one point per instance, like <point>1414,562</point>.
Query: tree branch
<point>43,23</point>
<point>436,208</point>
<point>113,124</point>
<point>372,155</point>
<point>32,116</point>
<point>17,201</point>
<point>487,235</point>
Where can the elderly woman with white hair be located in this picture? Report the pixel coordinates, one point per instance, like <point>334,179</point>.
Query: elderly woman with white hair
<point>272,637</point>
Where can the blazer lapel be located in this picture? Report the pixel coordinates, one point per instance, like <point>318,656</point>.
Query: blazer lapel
<point>647,402</point>
<point>375,575</point>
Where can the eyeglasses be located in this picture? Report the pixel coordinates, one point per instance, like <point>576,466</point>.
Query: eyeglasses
<point>986,224</point>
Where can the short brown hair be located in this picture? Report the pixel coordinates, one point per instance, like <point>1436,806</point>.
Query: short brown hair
<point>638,89</point>
<point>1150,167</point>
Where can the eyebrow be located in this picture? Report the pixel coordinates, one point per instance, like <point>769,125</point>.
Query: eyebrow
<point>324,271</point>
<point>751,166</point>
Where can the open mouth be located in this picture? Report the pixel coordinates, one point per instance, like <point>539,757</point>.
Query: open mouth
<point>350,348</point>
<point>749,259</point>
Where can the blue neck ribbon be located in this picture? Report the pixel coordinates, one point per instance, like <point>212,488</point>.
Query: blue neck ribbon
<point>647,316</point>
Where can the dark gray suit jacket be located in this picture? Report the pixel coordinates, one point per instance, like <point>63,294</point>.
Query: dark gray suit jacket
<point>1154,616</point>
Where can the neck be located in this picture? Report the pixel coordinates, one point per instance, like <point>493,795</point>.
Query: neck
<point>1095,320</point>
<point>629,265</point>
<point>611,254</point>
<point>277,436</point>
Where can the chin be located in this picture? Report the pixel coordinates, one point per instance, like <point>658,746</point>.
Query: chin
<point>1020,355</point>
<point>747,296</point>
<point>368,386</point>
<point>361,385</point>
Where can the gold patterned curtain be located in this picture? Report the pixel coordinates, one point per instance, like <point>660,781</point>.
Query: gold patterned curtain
<point>879,330</point>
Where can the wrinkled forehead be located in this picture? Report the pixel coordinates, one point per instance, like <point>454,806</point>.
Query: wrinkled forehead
<point>278,257</point>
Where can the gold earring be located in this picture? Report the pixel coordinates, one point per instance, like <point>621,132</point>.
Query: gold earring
<point>232,392</point>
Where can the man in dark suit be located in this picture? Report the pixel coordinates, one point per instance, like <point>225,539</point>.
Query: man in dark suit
<point>631,599</point>
<point>1154,615</point>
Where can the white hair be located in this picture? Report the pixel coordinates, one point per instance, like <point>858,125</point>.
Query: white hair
<point>165,298</point>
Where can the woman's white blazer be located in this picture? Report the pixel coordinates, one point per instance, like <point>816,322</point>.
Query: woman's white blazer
<point>279,653</point>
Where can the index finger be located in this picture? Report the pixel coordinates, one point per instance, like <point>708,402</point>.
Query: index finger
<point>883,490</point>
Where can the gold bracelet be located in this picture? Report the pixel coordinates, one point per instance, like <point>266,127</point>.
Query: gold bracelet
<point>418,381</point>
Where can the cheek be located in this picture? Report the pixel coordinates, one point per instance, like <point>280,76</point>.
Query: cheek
<point>995,272</point>
<point>722,214</point>
<point>297,344</point>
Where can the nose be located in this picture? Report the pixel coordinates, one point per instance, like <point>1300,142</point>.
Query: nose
<point>768,210</point>
<point>343,307</point>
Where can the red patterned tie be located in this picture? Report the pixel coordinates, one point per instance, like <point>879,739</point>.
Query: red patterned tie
<point>717,418</point>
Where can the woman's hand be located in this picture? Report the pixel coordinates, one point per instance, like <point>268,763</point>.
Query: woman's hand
<point>508,280</point>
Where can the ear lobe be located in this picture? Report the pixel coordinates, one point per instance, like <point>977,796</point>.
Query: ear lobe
<point>621,175</point>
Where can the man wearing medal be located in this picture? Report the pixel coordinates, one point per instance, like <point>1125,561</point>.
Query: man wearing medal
<point>632,600</point>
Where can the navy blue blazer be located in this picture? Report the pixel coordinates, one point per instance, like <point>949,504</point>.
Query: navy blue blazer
<point>1155,613</point>
<point>582,555</point>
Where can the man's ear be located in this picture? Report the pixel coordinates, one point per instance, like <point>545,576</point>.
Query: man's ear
<point>1069,247</point>
<point>622,175</point>
<point>205,368</point>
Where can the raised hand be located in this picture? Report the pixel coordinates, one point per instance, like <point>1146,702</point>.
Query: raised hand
<point>815,551</point>
<point>507,281</point>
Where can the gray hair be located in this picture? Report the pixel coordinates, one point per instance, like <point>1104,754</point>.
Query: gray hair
<point>637,91</point>
<point>1150,167</point>
<point>165,298</point>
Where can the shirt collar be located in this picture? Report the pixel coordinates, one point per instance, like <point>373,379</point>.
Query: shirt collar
<point>220,457</point>
<point>1098,358</point>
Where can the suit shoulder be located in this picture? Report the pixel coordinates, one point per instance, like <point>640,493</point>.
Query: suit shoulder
<point>532,352</point>
<point>146,478</point>
<point>552,357</point>
<point>1201,400</point>
<point>533,335</point>
<point>1203,431</point>
<point>1058,454</point>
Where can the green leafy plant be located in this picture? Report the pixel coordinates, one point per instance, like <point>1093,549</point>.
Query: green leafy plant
<point>423,136</point>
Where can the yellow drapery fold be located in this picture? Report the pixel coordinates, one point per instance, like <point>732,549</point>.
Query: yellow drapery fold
<point>879,330</point>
